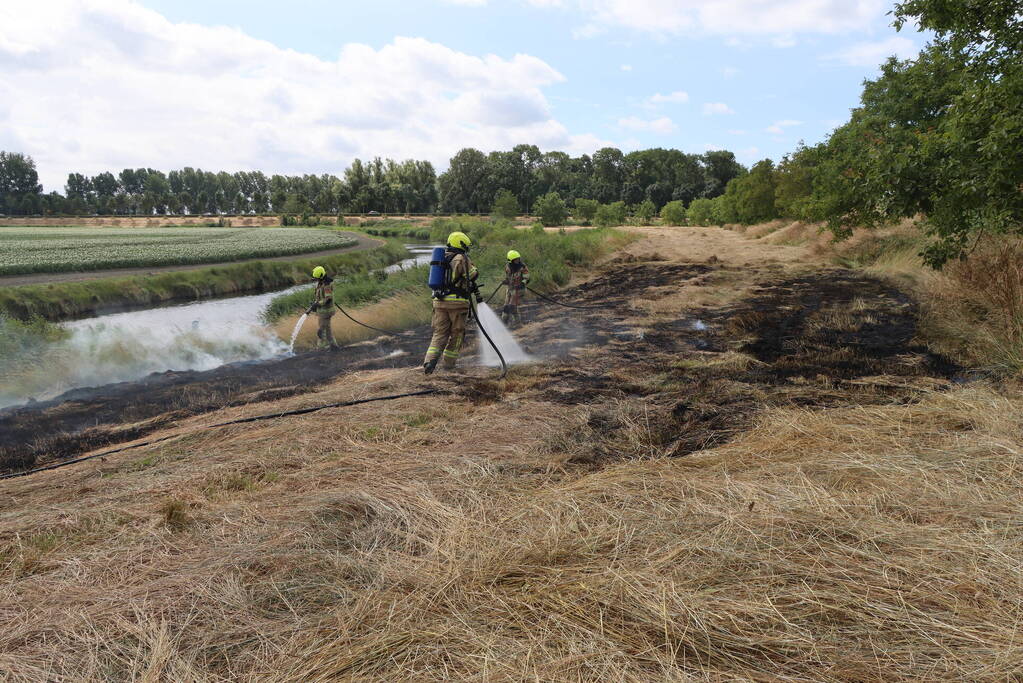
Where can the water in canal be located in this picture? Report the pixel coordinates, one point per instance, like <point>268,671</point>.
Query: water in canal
<point>128,346</point>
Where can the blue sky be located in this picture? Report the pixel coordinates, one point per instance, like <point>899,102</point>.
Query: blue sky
<point>307,85</point>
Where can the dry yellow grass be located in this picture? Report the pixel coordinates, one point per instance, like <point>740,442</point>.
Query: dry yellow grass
<point>446,539</point>
<point>413,541</point>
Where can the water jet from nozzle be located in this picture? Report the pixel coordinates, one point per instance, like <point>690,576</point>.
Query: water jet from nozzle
<point>503,338</point>
<point>294,332</point>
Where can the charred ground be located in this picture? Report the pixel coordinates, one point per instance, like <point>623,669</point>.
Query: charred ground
<point>822,338</point>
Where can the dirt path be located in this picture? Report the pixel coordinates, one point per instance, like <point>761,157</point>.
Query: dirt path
<point>363,242</point>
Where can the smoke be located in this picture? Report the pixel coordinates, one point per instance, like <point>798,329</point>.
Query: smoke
<point>129,346</point>
<point>104,353</point>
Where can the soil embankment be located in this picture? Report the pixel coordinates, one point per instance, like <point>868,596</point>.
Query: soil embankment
<point>734,462</point>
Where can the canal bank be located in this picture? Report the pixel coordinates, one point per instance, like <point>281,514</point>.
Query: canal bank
<point>55,299</point>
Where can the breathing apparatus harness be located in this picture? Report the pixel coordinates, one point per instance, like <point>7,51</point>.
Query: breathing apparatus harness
<point>443,284</point>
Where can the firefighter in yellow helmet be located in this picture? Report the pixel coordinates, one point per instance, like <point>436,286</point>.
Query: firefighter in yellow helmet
<point>323,306</point>
<point>451,304</point>
<point>516,277</point>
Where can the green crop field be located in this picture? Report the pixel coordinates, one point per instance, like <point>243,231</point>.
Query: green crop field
<point>36,250</point>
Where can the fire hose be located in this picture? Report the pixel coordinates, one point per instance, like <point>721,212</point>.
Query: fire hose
<point>241,420</point>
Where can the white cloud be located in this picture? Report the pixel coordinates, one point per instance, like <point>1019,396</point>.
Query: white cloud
<point>873,54</point>
<point>469,3</point>
<point>106,84</point>
<point>749,154</point>
<point>736,132</point>
<point>784,18</point>
<point>778,127</point>
<point>677,97</point>
<point>716,108</point>
<point>729,71</point>
<point>661,126</point>
<point>626,67</point>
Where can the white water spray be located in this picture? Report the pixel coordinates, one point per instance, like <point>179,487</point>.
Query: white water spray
<point>510,348</point>
<point>294,332</point>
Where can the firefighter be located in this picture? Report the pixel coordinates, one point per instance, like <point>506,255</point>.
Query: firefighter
<point>516,277</point>
<point>323,306</point>
<point>451,303</point>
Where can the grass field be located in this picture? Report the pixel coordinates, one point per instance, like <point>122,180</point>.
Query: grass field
<point>35,250</point>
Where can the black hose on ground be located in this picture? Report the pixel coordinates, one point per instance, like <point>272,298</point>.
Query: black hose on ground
<point>241,420</point>
<point>377,329</point>
<point>475,314</point>
<point>559,303</point>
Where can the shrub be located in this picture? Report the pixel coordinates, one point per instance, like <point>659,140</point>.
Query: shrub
<point>586,210</point>
<point>605,216</point>
<point>619,212</point>
<point>645,212</point>
<point>700,212</point>
<point>551,209</point>
<point>724,208</point>
<point>674,213</point>
<point>505,205</point>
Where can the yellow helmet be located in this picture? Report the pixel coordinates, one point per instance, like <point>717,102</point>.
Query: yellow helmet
<point>459,240</point>
<point>319,272</point>
<point>512,255</point>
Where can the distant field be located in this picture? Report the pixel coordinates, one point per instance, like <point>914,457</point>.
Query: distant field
<point>36,250</point>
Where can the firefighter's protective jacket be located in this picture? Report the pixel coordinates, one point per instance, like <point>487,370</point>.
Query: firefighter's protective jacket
<point>324,296</point>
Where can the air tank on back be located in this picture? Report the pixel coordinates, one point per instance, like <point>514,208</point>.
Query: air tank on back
<point>437,266</point>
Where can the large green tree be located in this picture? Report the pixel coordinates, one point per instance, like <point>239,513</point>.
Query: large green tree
<point>937,136</point>
<point>466,186</point>
<point>754,194</point>
<point>19,183</point>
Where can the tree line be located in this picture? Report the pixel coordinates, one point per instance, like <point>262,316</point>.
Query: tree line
<point>939,136</point>
<point>387,186</point>
<point>472,184</point>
